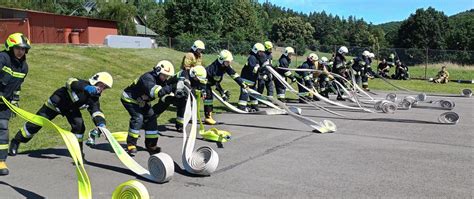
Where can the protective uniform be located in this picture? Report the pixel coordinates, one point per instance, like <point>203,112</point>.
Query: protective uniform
<point>442,76</point>
<point>12,75</point>
<point>383,69</point>
<point>68,101</point>
<point>265,78</point>
<point>196,83</point>
<point>215,74</point>
<point>401,71</point>
<point>305,77</point>
<point>284,62</point>
<point>136,99</point>
<point>250,75</point>
<point>362,69</point>
<point>323,78</point>
<point>339,67</point>
<point>193,57</point>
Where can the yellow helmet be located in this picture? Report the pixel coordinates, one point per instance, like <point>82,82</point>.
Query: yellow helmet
<point>268,45</point>
<point>103,77</point>
<point>225,55</point>
<point>17,39</point>
<point>164,67</point>
<point>258,47</point>
<point>200,73</point>
<point>198,44</point>
<point>313,56</point>
<point>288,50</point>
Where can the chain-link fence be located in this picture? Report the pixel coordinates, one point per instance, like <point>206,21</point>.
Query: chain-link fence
<point>410,56</point>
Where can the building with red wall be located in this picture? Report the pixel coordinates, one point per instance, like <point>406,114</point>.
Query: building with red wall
<point>42,27</point>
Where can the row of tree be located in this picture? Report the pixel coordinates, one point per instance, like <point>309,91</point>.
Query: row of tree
<point>247,21</point>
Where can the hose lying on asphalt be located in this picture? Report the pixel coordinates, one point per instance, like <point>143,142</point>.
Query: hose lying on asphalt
<point>131,189</point>
<point>291,89</point>
<point>160,166</point>
<point>204,160</point>
<point>449,118</point>
<point>84,186</point>
<point>236,110</point>
<point>212,134</point>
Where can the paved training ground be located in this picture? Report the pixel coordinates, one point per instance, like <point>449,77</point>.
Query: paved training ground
<point>377,155</point>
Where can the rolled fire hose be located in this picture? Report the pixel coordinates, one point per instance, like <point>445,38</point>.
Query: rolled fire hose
<point>291,89</point>
<point>385,106</point>
<point>236,110</point>
<point>391,97</point>
<point>466,92</point>
<point>131,189</point>
<point>446,104</point>
<point>160,165</point>
<point>84,186</point>
<point>449,118</point>
<point>204,160</point>
<point>326,126</point>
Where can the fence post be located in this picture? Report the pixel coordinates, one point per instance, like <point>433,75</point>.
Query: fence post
<point>426,62</point>
<point>169,42</point>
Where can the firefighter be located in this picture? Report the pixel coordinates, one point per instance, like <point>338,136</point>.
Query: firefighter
<point>340,67</point>
<point>391,60</point>
<point>137,98</point>
<point>383,69</point>
<point>215,74</point>
<point>194,56</point>
<point>442,76</point>
<point>68,101</point>
<point>401,71</point>
<point>362,70</point>
<point>284,61</point>
<point>265,78</point>
<point>323,77</point>
<point>195,80</point>
<point>255,63</point>
<point>305,77</point>
<point>15,69</point>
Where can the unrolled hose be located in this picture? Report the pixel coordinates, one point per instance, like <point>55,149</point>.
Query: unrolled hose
<point>83,182</point>
<point>204,160</point>
<point>160,166</point>
<point>131,189</point>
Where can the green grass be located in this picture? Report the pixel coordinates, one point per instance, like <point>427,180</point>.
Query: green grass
<point>52,65</point>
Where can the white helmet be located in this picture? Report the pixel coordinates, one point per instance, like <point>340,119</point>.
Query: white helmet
<point>371,55</point>
<point>165,67</point>
<point>343,50</point>
<point>225,55</point>
<point>313,56</point>
<point>366,53</point>
<point>198,44</point>
<point>324,59</point>
<point>103,77</point>
<point>288,50</point>
<point>258,47</point>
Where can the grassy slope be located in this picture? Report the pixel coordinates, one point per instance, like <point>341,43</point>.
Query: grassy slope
<point>51,65</point>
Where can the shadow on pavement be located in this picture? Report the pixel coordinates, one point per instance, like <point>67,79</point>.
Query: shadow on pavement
<point>25,193</point>
<point>263,127</point>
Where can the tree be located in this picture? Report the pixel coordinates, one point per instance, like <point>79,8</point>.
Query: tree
<point>122,13</point>
<point>424,29</point>
<point>462,31</point>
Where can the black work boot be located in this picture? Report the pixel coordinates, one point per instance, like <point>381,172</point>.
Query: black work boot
<point>254,108</point>
<point>13,149</point>
<point>179,127</point>
<point>153,150</point>
<point>340,98</point>
<point>243,108</point>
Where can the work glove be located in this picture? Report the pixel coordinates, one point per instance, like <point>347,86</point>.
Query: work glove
<point>92,90</point>
<point>203,94</point>
<point>256,69</point>
<point>293,79</point>
<point>165,90</point>
<point>226,95</point>
<point>181,91</point>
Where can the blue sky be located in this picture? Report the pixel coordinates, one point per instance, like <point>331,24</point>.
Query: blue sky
<point>375,11</point>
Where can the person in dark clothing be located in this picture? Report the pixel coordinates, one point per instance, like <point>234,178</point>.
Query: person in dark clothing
<point>12,76</point>
<point>249,74</point>
<point>68,101</point>
<point>383,69</point>
<point>137,98</point>
<point>306,77</point>
<point>401,71</point>
<point>265,78</point>
<point>284,61</point>
<point>339,67</point>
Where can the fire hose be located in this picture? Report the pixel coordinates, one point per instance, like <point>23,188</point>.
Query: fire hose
<point>204,160</point>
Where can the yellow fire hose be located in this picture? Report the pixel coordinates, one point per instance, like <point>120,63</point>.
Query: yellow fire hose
<point>160,166</point>
<point>131,189</point>
<point>84,185</point>
<point>204,160</point>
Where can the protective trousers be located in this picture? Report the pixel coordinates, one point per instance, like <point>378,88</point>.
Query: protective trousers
<point>266,83</point>
<point>5,114</point>
<point>74,117</point>
<point>179,103</point>
<point>141,118</point>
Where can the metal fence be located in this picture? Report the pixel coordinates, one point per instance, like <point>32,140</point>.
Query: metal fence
<point>410,56</point>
